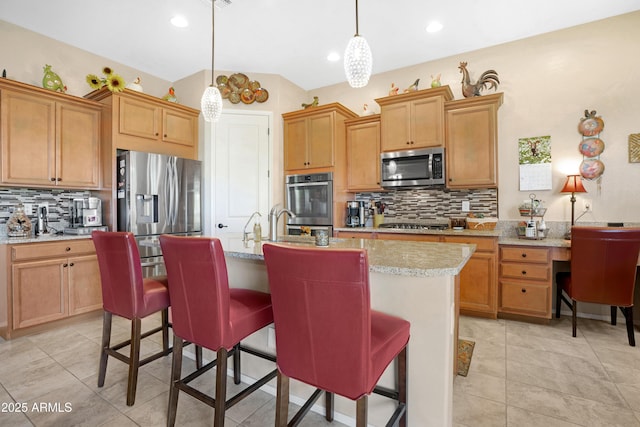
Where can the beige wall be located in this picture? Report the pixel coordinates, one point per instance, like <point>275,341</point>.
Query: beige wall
<point>548,81</point>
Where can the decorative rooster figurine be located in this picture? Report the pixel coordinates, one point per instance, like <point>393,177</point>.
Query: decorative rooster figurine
<point>171,95</point>
<point>489,77</point>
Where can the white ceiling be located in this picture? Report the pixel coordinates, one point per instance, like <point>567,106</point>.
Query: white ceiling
<point>293,37</point>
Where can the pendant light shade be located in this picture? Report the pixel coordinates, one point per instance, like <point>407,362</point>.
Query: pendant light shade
<point>358,60</point>
<point>211,102</point>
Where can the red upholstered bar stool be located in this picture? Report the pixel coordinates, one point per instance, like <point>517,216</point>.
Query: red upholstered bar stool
<point>327,336</point>
<point>603,271</point>
<point>209,314</point>
<point>127,294</point>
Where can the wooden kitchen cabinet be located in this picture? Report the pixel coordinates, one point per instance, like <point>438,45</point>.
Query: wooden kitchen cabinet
<point>471,145</point>
<point>363,154</point>
<point>525,282</point>
<point>478,278</point>
<point>413,120</point>
<point>48,281</point>
<point>313,137</point>
<point>140,122</point>
<point>48,139</point>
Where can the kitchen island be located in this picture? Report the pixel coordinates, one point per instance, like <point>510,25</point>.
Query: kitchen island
<point>417,281</point>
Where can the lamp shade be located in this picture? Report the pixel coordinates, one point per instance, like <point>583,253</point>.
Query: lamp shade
<point>358,62</point>
<point>211,104</point>
<point>573,185</point>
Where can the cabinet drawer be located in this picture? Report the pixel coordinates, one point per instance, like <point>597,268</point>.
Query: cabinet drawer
<point>51,250</point>
<point>525,271</point>
<point>482,244</point>
<point>524,254</point>
<point>525,298</point>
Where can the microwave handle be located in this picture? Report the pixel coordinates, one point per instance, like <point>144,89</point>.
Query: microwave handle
<point>309,184</point>
<point>430,162</point>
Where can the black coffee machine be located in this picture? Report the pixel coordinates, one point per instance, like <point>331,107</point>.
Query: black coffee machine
<point>355,214</point>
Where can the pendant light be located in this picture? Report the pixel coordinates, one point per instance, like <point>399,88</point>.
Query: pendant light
<point>357,59</point>
<point>211,103</point>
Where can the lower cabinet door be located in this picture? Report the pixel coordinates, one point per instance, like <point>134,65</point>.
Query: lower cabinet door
<point>39,292</point>
<point>530,299</point>
<point>477,286</point>
<point>85,292</point>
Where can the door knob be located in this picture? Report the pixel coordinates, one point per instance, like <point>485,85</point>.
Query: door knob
<point>221,225</point>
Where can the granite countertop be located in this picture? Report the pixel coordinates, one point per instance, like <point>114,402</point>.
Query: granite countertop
<point>404,258</point>
<point>447,232</point>
<point>50,237</point>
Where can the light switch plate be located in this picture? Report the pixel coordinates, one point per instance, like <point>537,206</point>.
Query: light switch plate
<point>28,208</point>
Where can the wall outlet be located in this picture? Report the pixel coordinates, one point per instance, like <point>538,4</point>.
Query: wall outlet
<point>28,209</point>
<point>587,205</point>
<point>466,206</point>
<point>271,338</point>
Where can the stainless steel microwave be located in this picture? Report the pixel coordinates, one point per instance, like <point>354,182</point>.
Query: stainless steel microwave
<point>411,168</point>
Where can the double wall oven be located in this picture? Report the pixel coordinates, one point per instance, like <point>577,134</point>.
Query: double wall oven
<point>310,198</point>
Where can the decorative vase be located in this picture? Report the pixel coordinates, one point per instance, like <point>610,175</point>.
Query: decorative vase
<point>19,224</point>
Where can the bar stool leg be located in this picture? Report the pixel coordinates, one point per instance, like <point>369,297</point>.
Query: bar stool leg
<point>165,329</point>
<point>236,364</point>
<point>221,387</point>
<point>134,360</point>
<point>176,371</point>
<point>401,369</point>
<point>328,406</point>
<point>282,400</point>
<point>361,411</point>
<point>106,342</point>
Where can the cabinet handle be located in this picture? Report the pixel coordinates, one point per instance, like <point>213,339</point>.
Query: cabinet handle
<point>157,134</point>
<point>67,249</point>
<point>65,265</point>
<point>524,255</point>
<point>71,264</point>
<point>165,135</point>
<point>524,291</point>
<point>52,179</point>
<point>524,273</point>
<point>58,179</point>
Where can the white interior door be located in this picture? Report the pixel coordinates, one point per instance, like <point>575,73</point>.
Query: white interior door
<point>241,172</point>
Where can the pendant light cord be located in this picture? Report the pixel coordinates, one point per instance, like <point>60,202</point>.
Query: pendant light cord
<point>213,35</point>
<point>357,31</point>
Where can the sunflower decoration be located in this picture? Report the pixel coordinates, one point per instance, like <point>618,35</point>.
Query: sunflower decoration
<point>113,81</point>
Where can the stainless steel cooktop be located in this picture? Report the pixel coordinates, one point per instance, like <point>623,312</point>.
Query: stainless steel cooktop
<point>416,226</point>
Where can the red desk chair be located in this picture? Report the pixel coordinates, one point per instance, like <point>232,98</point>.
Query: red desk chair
<point>209,314</point>
<point>603,271</point>
<point>127,294</point>
<point>327,335</point>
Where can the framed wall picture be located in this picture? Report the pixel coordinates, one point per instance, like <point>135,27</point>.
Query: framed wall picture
<point>535,163</point>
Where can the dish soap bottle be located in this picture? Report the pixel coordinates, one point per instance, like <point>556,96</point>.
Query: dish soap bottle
<point>257,232</point>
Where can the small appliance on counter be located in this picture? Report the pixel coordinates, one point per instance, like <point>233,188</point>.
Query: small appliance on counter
<point>355,214</point>
<point>42,224</point>
<point>85,215</point>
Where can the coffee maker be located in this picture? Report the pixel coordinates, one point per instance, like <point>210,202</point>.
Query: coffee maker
<point>85,215</point>
<point>355,214</point>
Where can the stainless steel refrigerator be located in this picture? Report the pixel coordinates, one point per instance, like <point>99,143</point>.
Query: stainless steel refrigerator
<point>158,194</point>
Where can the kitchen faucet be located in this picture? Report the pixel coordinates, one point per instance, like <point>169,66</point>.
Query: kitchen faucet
<point>274,215</point>
<point>245,233</point>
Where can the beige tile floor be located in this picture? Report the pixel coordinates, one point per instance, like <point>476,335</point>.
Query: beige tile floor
<point>521,375</point>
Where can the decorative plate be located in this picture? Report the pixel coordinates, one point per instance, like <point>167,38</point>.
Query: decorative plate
<point>261,94</point>
<point>239,81</point>
<point>247,96</point>
<point>254,85</point>
<point>591,147</point>
<point>221,80</point>
<point>591,126</point>
<point>234,97</point>
<point>224,91</point>
<point>591,168</point>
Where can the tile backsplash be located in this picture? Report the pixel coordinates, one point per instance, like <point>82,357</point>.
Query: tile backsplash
<point>57,205</point>
<point>424,203</point>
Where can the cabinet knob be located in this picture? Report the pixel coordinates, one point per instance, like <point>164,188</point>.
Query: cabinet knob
<point>524,255</point>
<point>524,291</point>
<point>52,179</point>
<point>165,135</point>
<point>67,249</point>
<point>65,265</point>
<point>58,179</point>
<point>71,264</point>
<point>524,273</point>
<point>157,134</point>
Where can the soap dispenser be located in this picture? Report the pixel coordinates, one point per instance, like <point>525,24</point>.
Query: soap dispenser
<point>257,231</point>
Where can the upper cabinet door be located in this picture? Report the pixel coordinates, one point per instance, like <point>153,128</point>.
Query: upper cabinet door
<point>139,119</point>
<point>295,144</point>
<point>427,123</point>
<point>179,127</point>
<point>78,149</point>
<point>396,127</point>
<point>320,131</point>
<point>28,139</point>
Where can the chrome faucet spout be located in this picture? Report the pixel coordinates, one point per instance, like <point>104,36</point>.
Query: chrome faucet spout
<point>245,233</point>
<point>274,215</point>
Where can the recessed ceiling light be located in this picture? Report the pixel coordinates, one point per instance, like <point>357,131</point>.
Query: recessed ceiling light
<point>333,57</point>
<point>434,27</point>
<point>180,21</point>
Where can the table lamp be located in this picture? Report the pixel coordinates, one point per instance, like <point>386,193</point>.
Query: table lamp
<point>573,185</point>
